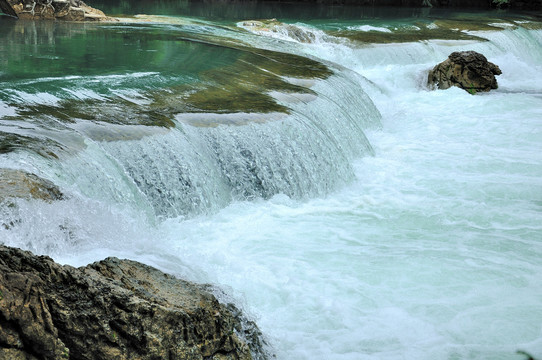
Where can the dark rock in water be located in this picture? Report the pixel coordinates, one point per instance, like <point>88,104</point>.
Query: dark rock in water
<point>113,309</point>
<point>21,184</point>
<point>468,70</point>
<point>7,9</point>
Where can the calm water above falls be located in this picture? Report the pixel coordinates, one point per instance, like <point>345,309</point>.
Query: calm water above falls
<point>351,211</point>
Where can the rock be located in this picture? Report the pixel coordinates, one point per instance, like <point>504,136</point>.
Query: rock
<point>7,9</point>
<point>113,309</point>
<point>21,184</point>
<point>69,10</point>
<point>468,70</point>
<point>275,26</point>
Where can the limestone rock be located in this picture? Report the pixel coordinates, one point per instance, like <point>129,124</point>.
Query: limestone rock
<point>468,70</point>
<point>21,184</point>
<point>275,26</point>
<point>69,10</point>
<point>113,309</point>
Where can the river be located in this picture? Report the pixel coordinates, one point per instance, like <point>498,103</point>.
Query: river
<point>301,165</point>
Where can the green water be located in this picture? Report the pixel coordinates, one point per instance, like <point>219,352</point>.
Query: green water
<point>139,73</point>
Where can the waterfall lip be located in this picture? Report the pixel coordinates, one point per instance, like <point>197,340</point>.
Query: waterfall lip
<point>303,82</point>
<point>503,25</point>
<point>292,98</point>
<point>214,119</point>
<point>47,142</point>
<point>114,132</point>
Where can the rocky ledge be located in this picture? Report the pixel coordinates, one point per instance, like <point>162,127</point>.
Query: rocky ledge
<point>69,10</point>
<point>114,309</point>
<point>467,70</point>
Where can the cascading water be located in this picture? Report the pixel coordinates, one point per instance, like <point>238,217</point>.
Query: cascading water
<point>424,243</point>
<point>188,170</point>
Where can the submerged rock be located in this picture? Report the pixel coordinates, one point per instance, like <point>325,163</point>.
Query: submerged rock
<point>21,184</point>
<point>468,70</point>
<point>113,309</point>
<point>70,10</point>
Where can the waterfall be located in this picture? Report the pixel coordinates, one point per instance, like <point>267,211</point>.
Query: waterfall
<point>194,169</point>
<point>206,160</point>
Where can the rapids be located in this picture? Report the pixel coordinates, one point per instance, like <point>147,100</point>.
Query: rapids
<point>302,166</point>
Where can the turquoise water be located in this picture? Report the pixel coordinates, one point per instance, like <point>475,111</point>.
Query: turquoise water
<point>348,209</point>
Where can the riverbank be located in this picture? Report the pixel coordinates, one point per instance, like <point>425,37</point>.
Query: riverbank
<point>74,10</point>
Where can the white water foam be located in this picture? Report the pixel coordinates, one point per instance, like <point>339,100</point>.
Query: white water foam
<point>432,253</point>
<point>366,28</point>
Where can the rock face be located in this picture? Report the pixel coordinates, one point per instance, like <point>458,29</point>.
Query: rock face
<point>113,309</point>
<point>70,10</point>
<point>468,70</point>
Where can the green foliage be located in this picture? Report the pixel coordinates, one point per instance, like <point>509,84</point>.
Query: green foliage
<point>471,90</point>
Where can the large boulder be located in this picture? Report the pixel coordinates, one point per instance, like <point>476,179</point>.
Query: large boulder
<point>468,70</point>
<point>113,309</point>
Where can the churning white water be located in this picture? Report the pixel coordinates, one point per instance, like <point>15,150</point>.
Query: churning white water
<point>425,244</point>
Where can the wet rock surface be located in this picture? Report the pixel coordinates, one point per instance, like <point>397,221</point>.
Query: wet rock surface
<point>467,70</point>
<point>70,10</point>
<point>113,309</point>
<point>21,184</point>
<point>275,26</point>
